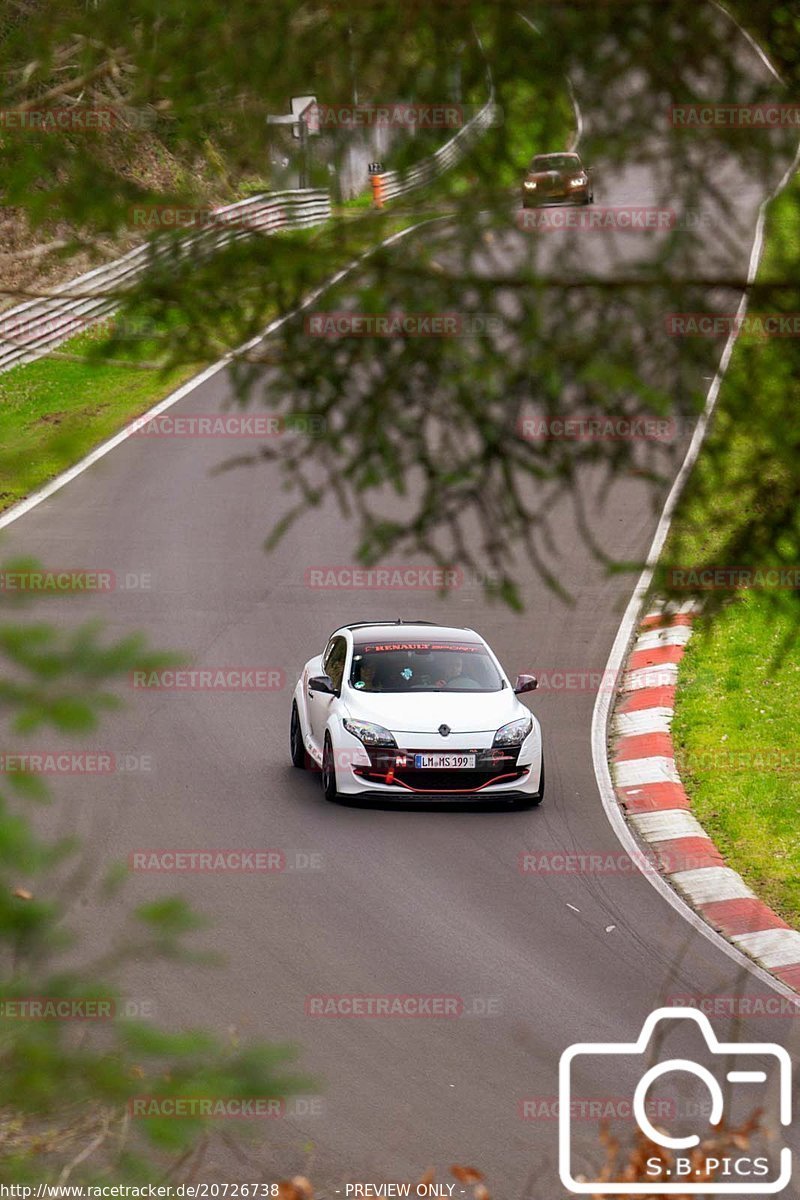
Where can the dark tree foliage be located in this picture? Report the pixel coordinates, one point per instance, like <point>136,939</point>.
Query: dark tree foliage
<point>429,442</point>
<point>422,436</point>
<point>68,1086</point>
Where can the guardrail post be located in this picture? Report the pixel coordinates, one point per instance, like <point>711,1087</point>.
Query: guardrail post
<point>375,172</point>
<point>377,190</point>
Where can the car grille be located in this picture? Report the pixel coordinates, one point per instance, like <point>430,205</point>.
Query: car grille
<point>555,185</point>
<point>491,766</point>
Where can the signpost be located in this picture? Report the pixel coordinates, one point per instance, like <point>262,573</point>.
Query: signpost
<point>304,120</point>
<point>306,112</point>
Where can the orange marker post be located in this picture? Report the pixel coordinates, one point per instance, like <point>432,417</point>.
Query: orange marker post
<point>376,179</point>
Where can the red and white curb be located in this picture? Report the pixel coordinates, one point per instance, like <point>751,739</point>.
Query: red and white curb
<point>656,805</point>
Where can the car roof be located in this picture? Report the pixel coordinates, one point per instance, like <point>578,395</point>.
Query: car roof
<point>558,154</point>
<point>367,631</point>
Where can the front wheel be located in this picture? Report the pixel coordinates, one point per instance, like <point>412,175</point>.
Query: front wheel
<point>329,771</point>
<point>297,749</point>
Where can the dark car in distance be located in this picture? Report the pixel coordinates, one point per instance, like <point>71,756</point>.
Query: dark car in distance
<point>557,179</point>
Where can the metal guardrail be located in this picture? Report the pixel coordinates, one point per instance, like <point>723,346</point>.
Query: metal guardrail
<point>398,183</point>
<point>31,329</point>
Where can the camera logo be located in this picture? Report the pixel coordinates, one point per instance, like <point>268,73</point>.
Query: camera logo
<point>729,1175</point>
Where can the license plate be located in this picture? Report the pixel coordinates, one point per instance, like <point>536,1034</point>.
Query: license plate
<point>445,761</point>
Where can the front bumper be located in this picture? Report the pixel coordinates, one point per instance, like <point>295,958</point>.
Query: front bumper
<point>540,200</point>
<point>484,799</point>
<point>391,774</point>
<point>395,769</point>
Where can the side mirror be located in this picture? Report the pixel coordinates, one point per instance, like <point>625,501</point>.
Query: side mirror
<point>525,683</point>
<point>322,683</point>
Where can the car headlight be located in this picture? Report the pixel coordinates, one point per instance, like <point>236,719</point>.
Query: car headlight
<point>530,185</point>
<point>578,181</point>
<point>369,734</point>
<point>514,733</point>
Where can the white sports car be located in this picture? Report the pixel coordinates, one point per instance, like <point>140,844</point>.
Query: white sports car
<point>416,711</point>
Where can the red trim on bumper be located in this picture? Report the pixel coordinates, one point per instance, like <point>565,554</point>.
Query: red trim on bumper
<point>429,791</point>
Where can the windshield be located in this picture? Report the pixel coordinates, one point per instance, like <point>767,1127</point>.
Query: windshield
<point>424,667</point>
<point>556,162</point>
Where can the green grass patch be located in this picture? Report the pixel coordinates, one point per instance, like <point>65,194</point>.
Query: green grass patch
<point>56,410</point>
<point>738,506</point>
<point>53,412</point>
<point>738,747</point>
<point>737,721</point>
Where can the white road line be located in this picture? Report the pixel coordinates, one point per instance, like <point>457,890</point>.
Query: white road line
<point>60,481</point>
<point>619,650</point>
<point>576,140</point>
<point>749,37</point>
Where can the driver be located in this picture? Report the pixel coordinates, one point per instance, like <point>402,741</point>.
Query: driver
<point>453,673</point>
<point>368,677</point>
<point>455,670</point>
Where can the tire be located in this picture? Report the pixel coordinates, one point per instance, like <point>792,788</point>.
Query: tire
<point>297,749</point>
<point>329,772</point>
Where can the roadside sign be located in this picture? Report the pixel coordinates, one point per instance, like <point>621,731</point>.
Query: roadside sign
<point>304,108</point>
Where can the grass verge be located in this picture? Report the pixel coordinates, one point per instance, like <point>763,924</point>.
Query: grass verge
<point>737,720</point>
<point>736,737</point>
<point>57,409</point>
